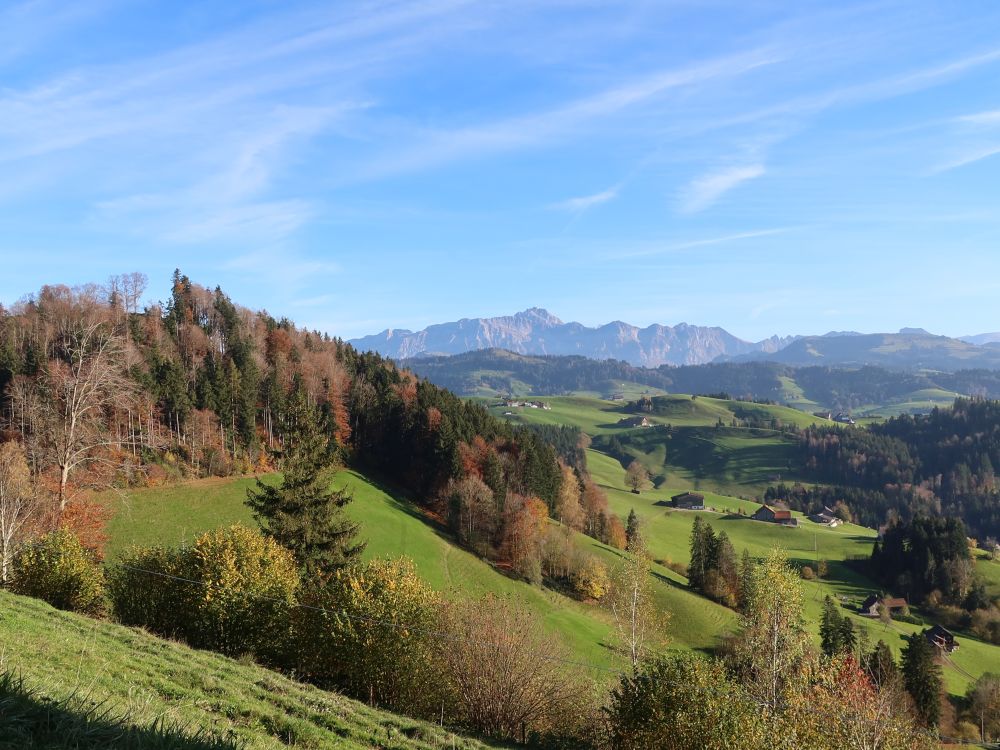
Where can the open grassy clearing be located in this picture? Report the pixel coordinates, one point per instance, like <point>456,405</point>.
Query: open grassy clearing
<point>725,460</point>
<point>132,673</point>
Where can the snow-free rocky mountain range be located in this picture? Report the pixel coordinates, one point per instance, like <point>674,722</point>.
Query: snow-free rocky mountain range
<point>537,331</point>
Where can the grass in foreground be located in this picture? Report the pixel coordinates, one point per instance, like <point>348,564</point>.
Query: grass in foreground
<point>85,679</point>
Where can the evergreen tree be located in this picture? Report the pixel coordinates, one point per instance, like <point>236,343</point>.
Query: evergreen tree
<point>632,535</point>
<point>303,514</point>
<point>699,554</point>
<point>831,628</point>
<point>881,666</point>
<point>848,636</point>
<point>922,677</point>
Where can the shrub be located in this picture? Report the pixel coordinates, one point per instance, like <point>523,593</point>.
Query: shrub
<point>591,580</point>
<point>155,600</point>
<point>60,570</point>
<point>807,573</point>
<point>684,701</point>
<point>244,585</point>
<point>368,631</point>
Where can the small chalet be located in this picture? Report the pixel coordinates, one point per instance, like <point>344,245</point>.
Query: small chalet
<point>633,422</point>
<point>775,515</point>
<point>826,517</point>
<point>843,418</point>
<point>873,605</point>
<point>688,501</point>
<point>941,638</point>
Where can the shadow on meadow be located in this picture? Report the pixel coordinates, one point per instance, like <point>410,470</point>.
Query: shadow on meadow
<point>28,720</point>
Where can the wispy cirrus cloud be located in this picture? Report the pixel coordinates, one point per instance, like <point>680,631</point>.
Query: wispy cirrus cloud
<point>586,202</point>
<point>436,147</point>
<point>705,190</point>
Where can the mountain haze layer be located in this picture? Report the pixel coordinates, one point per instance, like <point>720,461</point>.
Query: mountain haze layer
<point>536,331</point>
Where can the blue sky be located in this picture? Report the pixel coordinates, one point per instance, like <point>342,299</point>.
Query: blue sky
<point>764,165</point>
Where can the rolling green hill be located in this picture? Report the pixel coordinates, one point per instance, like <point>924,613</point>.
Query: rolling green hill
<point>667,533</point>
<point>129,680</point>
<point>865,391</point>
<point>176,513</point>
<point>694,452</point>
<point>171,515</point>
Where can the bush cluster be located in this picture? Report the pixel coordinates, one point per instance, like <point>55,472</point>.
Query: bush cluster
<point>60,570</point>
<point>230,591</point>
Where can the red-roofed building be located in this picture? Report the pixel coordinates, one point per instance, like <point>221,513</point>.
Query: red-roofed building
<point>775,515</point>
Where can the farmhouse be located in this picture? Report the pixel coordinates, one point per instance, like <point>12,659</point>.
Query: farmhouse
<point>688,501</point>
<point>941,638</point>
<point>874,605</point>
<point>633,422</point>
<point>843,418</point>
<point>826,517</point>
<point>774,515</point>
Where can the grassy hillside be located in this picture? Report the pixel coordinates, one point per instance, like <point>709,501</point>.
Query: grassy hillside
<point>723,463</point>
<point>694,453</point>
<point>668,531</point>
<point>597,416</point>
<point>144,679</point>
<point>174,514</point>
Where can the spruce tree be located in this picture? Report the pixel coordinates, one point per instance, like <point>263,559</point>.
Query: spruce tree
<point>303,514</point>
<point>831,628</point>
<point>699,554</point>
<point>922,677</point>
<point>848,636</point>
<point>632,529</point>
<point>881,665</point>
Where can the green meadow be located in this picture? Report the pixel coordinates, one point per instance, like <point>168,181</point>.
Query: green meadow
<point>127,681</point>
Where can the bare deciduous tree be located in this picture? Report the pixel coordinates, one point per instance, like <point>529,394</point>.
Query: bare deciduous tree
<point>65,412</point>
<point>639,624</point>
<point>505,669</point>
<point>18,501</point>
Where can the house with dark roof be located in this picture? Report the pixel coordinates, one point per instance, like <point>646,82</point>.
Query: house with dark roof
<point>688,501</point>
<point>941,638</point>
<point>633,422</point>
<point>774,515</point>
<point>827,517</point>
<point>874,605</point>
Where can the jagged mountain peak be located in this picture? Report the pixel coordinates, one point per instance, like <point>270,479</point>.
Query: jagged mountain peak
<point>537,331</point>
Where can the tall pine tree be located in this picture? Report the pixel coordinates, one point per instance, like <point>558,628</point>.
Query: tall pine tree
<point>831,628</point>
<point>303,514</point>
<point>632,534</point>
<point>922,676</point>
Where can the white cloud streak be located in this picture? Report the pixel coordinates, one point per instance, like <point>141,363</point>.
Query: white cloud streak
<point>586,202</point>
<point>704,191</point>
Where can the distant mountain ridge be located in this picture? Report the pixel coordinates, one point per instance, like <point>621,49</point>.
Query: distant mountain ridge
<point>910,349</point>
<point>537,331</point>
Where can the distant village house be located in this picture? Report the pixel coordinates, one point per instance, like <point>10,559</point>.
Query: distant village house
<point>941,638</point>
<point>826,517</point>
<point>874,605</point>
<point>775,515</point>
<point>688,501</point>
<point>515,404</point>
<point>633,422</point>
